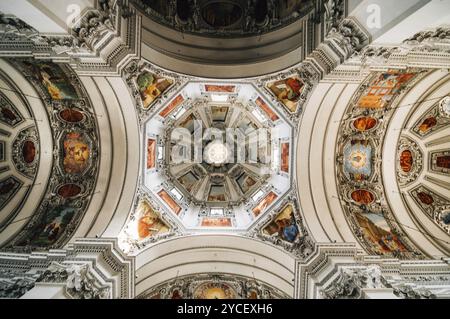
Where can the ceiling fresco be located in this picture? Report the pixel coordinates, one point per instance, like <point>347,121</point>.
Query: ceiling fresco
<point>237,149</point>
<point>213,286</point>
<point>423,167</point>
<point>19,156</point>
<point>359,163</point>
<point>217,157</point>
<point>75,159</point>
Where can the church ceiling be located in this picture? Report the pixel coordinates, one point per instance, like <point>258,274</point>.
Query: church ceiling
<point>217,156</point>
<point>226,18</point>
<point>75,156</point>
<point>345,153</point>
<point>359,163</point>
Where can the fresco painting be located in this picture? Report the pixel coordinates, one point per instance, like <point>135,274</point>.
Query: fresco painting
<point>383,88</point>
<point>216,222</point>
<point>151,87</point>
<point>219,88</point>
<point>172,105</point>
<point>443,161</point>
<point>376,230</point>
<point>9,115</point>
<point>53,78</point>
<point>169,201</point>
<point>52,226</point>
<point>284,225</point>
<point>285,157</point>
<point>427,124</point>
<point>245,182</point>
<point>406,161</point>
<point>149,223</point>
<point>76,153</point>
<point>362,196</point>
<point>214,290</point>
<point>262,206</point>
<point>364,123</point>
<point>28,151</point>
<point>71,115</point>
<point>288,92</point>
<point>425,198</point>
<point>357,164</point>
<point>69,190</point>
<point>266,109</point>
<point>151,153</point>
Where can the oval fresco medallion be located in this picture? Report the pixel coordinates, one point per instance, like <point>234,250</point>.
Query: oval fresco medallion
<point>406,160</point>
<point>71,115</point>
<point>362,196</point>
<point>69,190</point>
<point>364,123</point>
<point>28,151</point>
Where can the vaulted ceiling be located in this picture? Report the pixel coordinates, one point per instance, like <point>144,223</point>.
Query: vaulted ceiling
<point>356,140</point>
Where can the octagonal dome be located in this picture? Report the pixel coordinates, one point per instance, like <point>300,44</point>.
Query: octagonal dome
<point>217,156</point>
